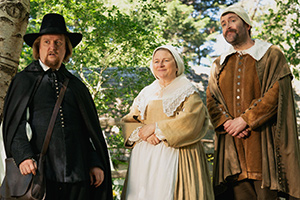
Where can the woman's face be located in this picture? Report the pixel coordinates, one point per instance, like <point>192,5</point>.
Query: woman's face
<point>164,65</point>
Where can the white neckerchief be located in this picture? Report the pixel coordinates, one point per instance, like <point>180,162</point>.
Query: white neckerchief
<point>172,95</point>
<point>257,51</point>
<point>45,67</point>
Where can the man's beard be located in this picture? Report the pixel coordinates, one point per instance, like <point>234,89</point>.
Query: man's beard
<point>233,39</point>
<point>53,63</point>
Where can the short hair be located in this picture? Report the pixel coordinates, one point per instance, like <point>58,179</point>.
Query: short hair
<point>36,47</point>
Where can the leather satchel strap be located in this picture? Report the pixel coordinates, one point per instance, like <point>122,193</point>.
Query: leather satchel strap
<point>53,117</point>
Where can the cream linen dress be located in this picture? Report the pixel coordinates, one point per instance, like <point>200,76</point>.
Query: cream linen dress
<point>175,168</point>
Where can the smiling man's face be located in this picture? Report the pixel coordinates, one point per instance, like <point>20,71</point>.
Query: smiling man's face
<point>235,30</point>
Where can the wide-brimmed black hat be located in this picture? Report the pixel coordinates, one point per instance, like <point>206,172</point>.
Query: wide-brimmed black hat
<point>53,24</point>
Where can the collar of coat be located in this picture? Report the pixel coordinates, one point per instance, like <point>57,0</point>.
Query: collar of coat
<point>257,51</point>
<point>36,67</point>
<point>270,68</point>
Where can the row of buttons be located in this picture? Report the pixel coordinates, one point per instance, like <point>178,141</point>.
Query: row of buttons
<point>238,90</point>
<point>60,108</point>
<point>278,160</point>
<point>224,112</point>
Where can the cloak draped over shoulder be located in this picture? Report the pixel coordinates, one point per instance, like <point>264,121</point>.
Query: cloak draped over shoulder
<point>19,94</point>
<point>280,145</point>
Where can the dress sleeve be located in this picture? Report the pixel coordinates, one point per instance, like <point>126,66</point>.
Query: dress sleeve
<point>130,124</point>
<point>217,113</point>
<point>188,125</point>
<point>158,133</point>
<point>262,109</point>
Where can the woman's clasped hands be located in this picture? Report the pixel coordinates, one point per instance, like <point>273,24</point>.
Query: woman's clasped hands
<point>146,133</point>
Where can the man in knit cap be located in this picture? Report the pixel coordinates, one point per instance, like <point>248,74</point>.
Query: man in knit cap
<point>251,105</point>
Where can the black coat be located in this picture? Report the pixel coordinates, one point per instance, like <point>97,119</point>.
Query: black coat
<point>17,99</point>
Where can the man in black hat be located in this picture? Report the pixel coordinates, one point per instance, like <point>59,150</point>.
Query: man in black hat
<point>77,163</point>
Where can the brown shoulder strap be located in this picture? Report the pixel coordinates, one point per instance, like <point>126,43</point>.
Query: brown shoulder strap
<point>53,117</point>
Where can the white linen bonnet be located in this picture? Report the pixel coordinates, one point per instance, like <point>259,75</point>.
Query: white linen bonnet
<point>177,56</point>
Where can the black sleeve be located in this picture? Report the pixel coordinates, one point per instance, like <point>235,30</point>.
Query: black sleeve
<point>94,158</point>
<point>20,147</point>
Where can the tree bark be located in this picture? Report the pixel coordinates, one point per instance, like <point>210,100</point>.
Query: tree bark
<point>14,16</point>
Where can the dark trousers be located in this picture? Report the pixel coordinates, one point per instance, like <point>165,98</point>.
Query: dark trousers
<point>251,190</point>
<point>67,191</point>
<point>248,190</point>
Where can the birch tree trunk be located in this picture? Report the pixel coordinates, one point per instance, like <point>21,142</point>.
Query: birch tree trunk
<point>14,16</point>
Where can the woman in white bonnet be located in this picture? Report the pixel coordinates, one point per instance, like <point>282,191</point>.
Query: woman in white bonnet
<point>164,129</point>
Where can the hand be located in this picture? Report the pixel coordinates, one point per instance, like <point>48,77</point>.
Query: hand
<point>96,176</point>
<point>146,131</point>
<point>244,134</point>
<point>235,127</point>
<point>153,140</point>
<point>28,166</point>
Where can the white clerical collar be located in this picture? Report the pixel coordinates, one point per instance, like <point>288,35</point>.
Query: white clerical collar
<point>45,67</point>
<point>257,51</point>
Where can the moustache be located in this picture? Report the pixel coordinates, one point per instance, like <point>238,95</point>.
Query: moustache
<point>52,52</point>
<point>231,30</point>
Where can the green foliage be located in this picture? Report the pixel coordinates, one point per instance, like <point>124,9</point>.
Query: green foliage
<point>117,187</point>
<point>114,55</point>
<point>208,8</point>
<point>181,28</point>
<point>210,158</point>
<point>115,45</point>
<point>203,29</point>
<point>282,28</point>
<point>117,149</point>
<point>119,156</point>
